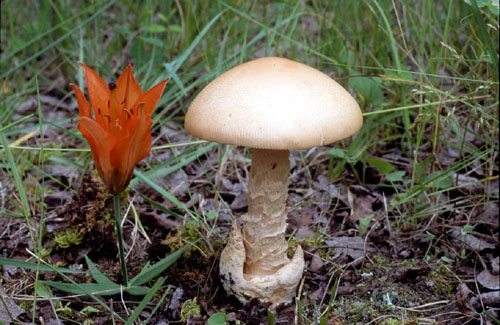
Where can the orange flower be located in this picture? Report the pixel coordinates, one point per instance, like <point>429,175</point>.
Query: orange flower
<point>119,130</point>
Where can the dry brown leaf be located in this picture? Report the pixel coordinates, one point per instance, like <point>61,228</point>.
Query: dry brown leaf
<point>488,280</point>
<point>471,241</point>
<point>350,246</point>
<point>12,308</point>
<point>316,263</point>
<point>489,299</point>
<point>495,264</point>
<point>462,296</point>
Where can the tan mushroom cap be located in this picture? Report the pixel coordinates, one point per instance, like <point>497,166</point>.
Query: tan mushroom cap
<point>273,103</point>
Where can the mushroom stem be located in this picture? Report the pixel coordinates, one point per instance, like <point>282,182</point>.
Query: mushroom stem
<point>264,225</point>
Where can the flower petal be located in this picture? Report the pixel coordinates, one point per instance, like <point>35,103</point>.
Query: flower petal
<point>101,143</point>
<point>83,104</point>
<point>126,94</point>
<point>151,98</point>
<point>129,151</point>
<point>127,88</point>
<point>98,92</point>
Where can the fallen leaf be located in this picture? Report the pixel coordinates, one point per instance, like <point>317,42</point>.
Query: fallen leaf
<point>9,308</point>
<point>316,263</point>
<point>471,241</point>
<point>175,301</point>
<point>489,299</point>
<point>488,280</point>
<point>462,297</point>
<point>467,182</point>
<point>495,264</point>
<point>304,232</point>
<point>350,246</point>
<point>240,201</point>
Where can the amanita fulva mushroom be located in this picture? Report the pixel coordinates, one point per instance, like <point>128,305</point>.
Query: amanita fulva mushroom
<point>271,105</point>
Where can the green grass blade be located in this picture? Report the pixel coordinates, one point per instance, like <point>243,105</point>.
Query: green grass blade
<point>158,304</point>
<point>483,34</point>
<point>19,186</point>
<point>94,297</point>
<point>17,122</point>
<point>100,289</point>
<point>98,276</point>
<point>161,171</point>
<point>89,289</point>
<point>270,318</point>
<point>147,274</point>
<point>163,192</point>
<point>147,298</point>
<point>33,266</point>
<point>42,194</point>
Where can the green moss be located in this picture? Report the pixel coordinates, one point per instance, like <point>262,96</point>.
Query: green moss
<point>189,307</point>
<point>325,254</point>
<point>66,237</point>
<point>391,321</point>
<point>196,259</point>
<point>440,280</point>
<point>292,246</point>
<point>44,252</point>
<point>190,233</point>
<point>26,305</point>
<point>378,292</point>
<point>314,241</point>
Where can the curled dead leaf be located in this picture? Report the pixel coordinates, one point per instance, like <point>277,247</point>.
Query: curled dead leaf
<point>353,247</point>
<point>488,280</point>
<point>471,241</point>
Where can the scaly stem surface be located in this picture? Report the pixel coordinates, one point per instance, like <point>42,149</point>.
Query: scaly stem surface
<point>118,220</point>
<point>265,223</point>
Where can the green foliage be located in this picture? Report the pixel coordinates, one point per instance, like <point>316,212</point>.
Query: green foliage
<point>145,301</point>
<point>395,176</point>
<point>106,287</point>
<point>34,266</point>
<point>368,88</point>
<point>492,5</point>
<point>364,223</point>
<point>189,307</point>
<point>314,241</point>
<point>89,310</point>
<point>218,319</point>
<point>270,318</point>
<point>391,321</point>
<point>382,166</point>
<point>149,272</point>
<point>66,237</point>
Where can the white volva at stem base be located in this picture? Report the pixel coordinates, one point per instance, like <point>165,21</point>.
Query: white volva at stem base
<point>254,263</point>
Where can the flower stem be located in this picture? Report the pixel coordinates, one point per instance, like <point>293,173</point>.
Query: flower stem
<point>118,219</point>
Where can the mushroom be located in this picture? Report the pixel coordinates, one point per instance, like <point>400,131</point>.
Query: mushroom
<point>271,105</point>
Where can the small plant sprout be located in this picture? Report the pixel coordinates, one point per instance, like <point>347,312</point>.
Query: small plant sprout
<point>272,105</point>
